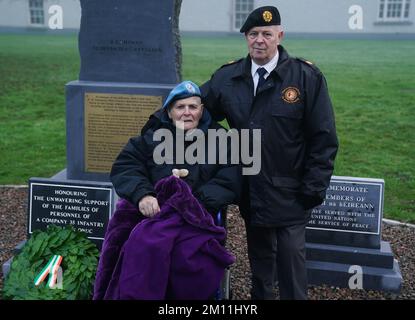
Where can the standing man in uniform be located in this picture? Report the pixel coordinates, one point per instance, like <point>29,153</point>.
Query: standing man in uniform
<point>287,98</point>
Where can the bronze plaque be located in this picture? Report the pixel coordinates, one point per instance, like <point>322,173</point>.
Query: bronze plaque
<point>110,120</point>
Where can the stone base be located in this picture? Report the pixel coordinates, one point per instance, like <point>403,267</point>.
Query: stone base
<point>331,265</point>
<point>7,265</point>
<point>379,258</point>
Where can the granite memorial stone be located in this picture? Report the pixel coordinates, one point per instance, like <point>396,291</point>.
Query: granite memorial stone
<point>130,41</point>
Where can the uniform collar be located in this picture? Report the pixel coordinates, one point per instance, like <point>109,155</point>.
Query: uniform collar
<point>281,69</point>
<point>270,66</point>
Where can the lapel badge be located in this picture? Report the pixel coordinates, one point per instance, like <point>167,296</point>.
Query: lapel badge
<point>267,16</point>
<point>291,95</point>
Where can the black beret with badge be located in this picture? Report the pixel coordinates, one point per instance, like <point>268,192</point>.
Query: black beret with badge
<point>261,17</point>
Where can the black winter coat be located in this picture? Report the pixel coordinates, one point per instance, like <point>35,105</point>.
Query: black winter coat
<point>135,173</point>
<point>299,141</point>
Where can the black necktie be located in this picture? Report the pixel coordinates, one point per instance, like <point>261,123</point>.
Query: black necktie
<point>261,79</point>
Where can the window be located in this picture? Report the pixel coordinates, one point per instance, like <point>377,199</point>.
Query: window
<point>242,9</point>
<point>36,12</point>
<point>394,10</point>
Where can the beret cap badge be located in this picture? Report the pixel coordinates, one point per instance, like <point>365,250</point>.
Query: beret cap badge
<point>267,16</point>
<point>261,17</point>
<point>190,88</point>
<point>183,90</point>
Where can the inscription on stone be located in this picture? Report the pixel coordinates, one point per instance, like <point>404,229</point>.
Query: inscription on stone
<point>350,206</point>
<point>110,120</point>
<point>87,209</point>
<point>121,46</point>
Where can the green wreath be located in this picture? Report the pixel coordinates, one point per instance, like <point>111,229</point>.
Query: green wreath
<point>79,264</point>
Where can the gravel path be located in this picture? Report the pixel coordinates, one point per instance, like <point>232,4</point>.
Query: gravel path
<point>13,212</point>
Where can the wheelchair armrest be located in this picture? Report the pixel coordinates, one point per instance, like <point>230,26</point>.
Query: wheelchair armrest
<point>220,218</point>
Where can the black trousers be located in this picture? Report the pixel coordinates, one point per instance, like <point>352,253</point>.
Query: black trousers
<point>277,253</point>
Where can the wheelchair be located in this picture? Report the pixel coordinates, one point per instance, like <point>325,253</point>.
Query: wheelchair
<point>224,291</point>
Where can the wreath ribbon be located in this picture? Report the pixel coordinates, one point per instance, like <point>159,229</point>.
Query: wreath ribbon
<point>51,268</point>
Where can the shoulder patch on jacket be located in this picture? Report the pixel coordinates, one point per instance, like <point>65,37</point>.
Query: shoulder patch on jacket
<point>308,63</point>
<point>230,63</point>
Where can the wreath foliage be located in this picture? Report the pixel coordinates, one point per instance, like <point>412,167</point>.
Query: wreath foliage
<point>79,264</point>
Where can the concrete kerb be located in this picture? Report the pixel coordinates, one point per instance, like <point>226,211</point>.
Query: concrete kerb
<point>397,223</point>
<point>14,186</point>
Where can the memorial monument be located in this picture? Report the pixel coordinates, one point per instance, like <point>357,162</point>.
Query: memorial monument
<point>130,60</point>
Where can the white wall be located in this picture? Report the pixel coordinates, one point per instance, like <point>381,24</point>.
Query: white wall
<point>15,13</point>
<point>206,15</point>
<point>332,16</point>
<point>315,16</point>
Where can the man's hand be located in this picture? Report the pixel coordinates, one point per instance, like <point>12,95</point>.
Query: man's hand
<point>149,206</point>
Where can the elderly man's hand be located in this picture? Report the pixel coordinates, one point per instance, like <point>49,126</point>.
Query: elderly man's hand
<point>149,206</point>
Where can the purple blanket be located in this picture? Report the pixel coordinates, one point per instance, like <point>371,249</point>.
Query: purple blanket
<point>175,255</point>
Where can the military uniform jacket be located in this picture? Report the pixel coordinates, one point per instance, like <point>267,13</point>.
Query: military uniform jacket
<point>299,143</point>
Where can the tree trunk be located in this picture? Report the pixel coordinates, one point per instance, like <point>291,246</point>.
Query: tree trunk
<point>176,37</point>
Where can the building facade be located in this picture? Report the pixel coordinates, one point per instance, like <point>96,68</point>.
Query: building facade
<point>227,16</point>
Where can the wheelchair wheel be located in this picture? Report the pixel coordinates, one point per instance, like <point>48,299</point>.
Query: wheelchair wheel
<point>226,286</point>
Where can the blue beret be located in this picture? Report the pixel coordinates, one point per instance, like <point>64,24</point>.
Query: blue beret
<point>183,90</point>
<point>261,17</point>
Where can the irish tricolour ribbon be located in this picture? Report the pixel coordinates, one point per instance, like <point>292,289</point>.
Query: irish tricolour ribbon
<point>52,269</point>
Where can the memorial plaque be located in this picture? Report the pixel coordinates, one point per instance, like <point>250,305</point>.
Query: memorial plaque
<point>87,208</point>
<point>110,120</point>
<point>351,213</point>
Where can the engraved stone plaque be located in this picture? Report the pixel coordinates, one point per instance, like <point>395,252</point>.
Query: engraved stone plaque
<point>351,213</point>
<point>85,206</point>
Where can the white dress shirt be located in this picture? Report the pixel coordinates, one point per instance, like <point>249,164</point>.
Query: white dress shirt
<point>269,67</point>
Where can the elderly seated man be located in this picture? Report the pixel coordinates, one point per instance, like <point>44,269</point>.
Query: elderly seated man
<point>162,241</point>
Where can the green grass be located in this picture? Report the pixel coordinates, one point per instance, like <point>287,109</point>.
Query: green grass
<point>372,86</point>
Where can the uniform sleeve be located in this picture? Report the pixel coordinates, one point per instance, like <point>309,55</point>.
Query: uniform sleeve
<point>211,99</point>
<point>321,142</point>
<point>129,173</point>
<point>223,188</point>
